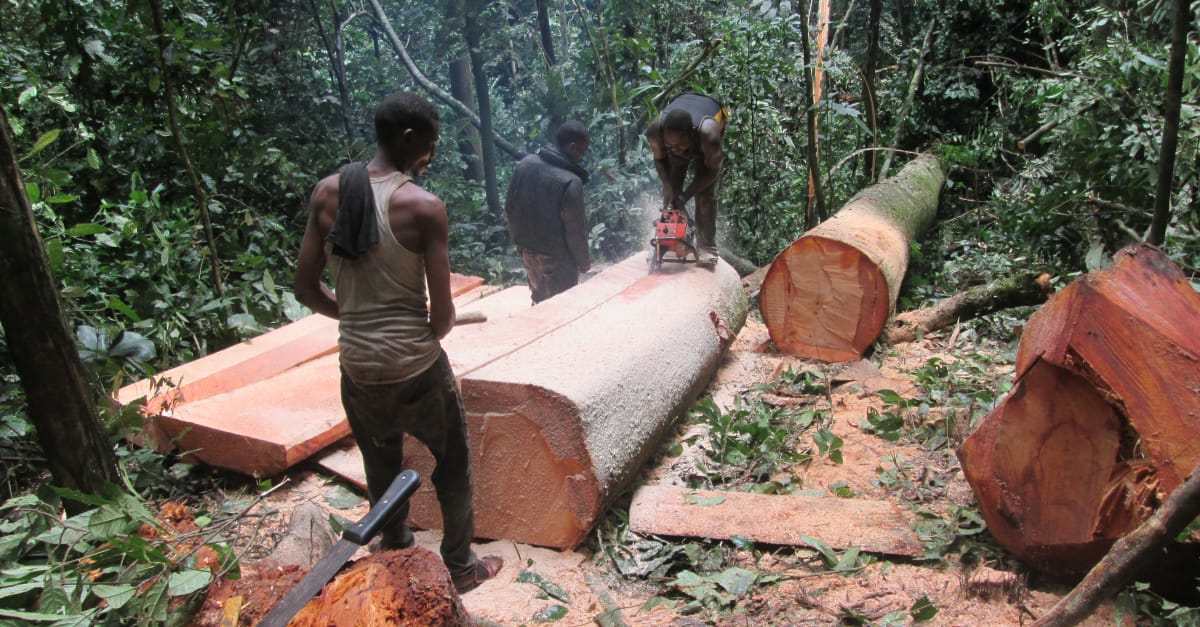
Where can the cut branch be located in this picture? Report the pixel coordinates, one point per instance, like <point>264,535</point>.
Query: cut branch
<point>1030,288</point>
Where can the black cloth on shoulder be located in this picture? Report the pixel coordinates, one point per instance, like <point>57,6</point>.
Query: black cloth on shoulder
<point>356,227</point>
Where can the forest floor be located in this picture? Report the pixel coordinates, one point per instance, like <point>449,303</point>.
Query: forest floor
<point>964,579</point>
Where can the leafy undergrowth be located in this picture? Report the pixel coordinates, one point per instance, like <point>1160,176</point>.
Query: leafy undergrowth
<point>774,437</point>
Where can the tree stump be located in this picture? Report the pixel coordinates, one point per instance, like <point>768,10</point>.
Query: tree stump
<point>829,293</point>
<point>1101,423</point>
<point>409,587</point>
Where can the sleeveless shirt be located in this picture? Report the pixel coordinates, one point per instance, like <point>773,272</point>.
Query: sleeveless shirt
<point>384,334</point>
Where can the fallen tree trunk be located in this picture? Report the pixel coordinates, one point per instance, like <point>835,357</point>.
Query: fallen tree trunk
<point>1029,288</point>
<point>1101,423</point>
<point>828,294</point>
<point>560,426</point>
<point>1127,556</point>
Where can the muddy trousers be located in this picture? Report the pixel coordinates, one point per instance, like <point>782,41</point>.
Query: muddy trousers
<point>706,201</point>
<point>429,408</point>
<point>548,275</point>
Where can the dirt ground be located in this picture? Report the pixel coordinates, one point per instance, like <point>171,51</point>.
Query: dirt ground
<point>986,589</point>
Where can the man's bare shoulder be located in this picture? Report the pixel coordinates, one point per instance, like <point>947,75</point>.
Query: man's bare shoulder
<point>711,131</point>
<point>652,131</point>
<point>422,202</point>
<point>324,201</point>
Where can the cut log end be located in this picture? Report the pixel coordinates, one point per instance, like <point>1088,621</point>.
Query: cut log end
<point>824,299</point>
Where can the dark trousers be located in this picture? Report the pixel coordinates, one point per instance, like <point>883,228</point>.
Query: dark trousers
<point>706,201</point>
<point>548,274</point>
<point>429,408</point>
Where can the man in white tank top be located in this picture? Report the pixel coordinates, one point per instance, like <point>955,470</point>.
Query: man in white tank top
<point>383,244</point>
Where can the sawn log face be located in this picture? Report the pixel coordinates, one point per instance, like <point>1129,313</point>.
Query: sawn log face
<point>1101,423</point>
<point>828,294</point>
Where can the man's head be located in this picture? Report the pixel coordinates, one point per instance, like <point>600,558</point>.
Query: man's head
<point>573,139</point>
<point>678,131</point>
<point>406,130</point>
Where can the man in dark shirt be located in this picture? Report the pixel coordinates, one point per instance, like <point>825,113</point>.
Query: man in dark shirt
<point>545,213</point>
<point>688,135</point>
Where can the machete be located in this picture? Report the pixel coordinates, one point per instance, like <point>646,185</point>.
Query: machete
<point>353,537</point>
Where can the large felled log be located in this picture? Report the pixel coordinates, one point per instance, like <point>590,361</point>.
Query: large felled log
<point>829,293</point>
<point>1027,288</point>
<point>559,426</point>
<point>1101,423</point>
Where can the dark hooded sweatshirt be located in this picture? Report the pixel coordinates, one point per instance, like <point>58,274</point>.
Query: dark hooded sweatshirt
<point>544,207</point>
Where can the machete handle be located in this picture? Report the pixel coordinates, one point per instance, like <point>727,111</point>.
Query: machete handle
<point>402,487</point>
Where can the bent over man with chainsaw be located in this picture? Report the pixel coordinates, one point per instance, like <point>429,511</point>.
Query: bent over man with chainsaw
<point>545,213</point>
<point>687,135</point>
<point>384,238</point>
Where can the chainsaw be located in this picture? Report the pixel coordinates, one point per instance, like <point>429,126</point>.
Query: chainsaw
<point>673,235</point>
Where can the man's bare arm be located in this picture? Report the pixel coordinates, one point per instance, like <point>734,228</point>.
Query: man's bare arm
<point>661,164</point>
<point>435,233</point>
<point>309,289</point>
<point>712,148</point>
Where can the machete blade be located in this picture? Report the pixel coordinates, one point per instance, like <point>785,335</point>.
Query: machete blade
<point>353,537</point>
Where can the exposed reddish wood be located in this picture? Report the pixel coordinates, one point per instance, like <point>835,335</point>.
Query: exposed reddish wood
<point>410,587</point>
<point>1131,329</point>
<point>1101,422</point>
<point>1029,288</point>
<point>553,442</point>
<point>1130,554</point>
<point>873,526</point>
<point>828,294</point>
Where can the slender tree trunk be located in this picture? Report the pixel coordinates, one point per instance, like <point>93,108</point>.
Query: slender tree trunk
<point>470,147</point>
<point>815,207</point>
<point>868,97</point>
<point>58,399</point>
<point>473,33</point>
<point>543,18</point>
<point>908,100</point>
<point>177,133</point>
<point>337,68</point>
<point>1181,23</point>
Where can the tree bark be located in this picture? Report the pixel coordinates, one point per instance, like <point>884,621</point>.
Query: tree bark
<point>59,401</point>
<point>1028,288</point>
<point>543,18</point>
<point>828,294</point>
<point>1128,555</point>
<point>1101,422</point>
<point>1181,22</point>
<point>473,34</point>
<point>868,97</point>
<point>471,147</point>
<point>815,200</point>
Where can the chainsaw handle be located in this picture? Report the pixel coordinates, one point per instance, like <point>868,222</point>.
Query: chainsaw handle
<point>402,487</point>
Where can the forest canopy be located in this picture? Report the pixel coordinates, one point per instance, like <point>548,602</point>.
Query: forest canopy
<point>168,148</point>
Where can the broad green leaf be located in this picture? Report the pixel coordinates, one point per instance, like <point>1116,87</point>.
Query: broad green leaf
<point>116,595</point>
<point>188,581</point>
<point>37,617</point>
<point>27,94</point>
<point>108,522</point>
<point>703,501</point>
<point>45,140</point>
<point>132,346</point>
<point>61,199</point>
<point>19,589</point>
<point>551,589</point>
<point>33,192</point>
<point>737,581</point>
<point>93,159</point>
<point>341,498</point>
<point>83,229</point>
<point>154,602</point>
<point>923,609</point>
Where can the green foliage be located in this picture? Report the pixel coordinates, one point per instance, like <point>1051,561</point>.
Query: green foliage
<point>1144,606</point>
<point>107,565</point>
<point>747,446</point>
